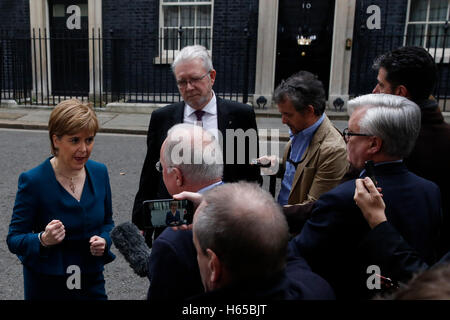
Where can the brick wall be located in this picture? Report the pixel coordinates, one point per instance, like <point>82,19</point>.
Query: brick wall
<point>15,17</point>
<point>368,44</point>
<point>130,30</point>
<point>136,25</point>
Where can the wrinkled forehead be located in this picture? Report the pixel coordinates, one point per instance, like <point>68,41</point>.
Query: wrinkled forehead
<point>186,67</point>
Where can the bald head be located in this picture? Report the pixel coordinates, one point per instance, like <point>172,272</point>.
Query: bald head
<point>245,228</point>
<point>194,154</point>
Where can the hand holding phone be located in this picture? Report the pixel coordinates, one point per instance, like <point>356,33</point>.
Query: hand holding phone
<point>370,171</point>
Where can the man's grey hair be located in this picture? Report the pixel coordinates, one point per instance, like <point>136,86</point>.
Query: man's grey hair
<point>394,119</point>
<point>245,228</point>
<point>187,147</point>
<point>302,89</point>
<point>190,53</point>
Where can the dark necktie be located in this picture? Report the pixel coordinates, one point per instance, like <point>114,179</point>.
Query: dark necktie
<point>199,114</point>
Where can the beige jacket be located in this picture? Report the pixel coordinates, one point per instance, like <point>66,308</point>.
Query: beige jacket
<point>323,168</point>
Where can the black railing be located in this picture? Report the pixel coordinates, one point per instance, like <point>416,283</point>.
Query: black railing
<point>368,44</point>
<point>45,69</point>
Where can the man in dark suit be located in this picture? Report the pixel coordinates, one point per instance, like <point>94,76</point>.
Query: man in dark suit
<point>384,245</point>
<point>173,270</point>
<point>195,78</point>
<point>412,73</point>
<point>382,128</point>
<point>241,238</point>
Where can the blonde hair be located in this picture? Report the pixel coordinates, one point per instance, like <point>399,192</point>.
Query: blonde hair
<point>69,117</point>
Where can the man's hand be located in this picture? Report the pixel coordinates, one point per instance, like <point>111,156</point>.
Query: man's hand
<point>195,198</point>
<point>274,165</point>
<point>370,201</point>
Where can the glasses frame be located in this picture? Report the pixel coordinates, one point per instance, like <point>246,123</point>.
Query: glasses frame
<point>184,83</point>
<point>347,134</point>
<point>158,166</point>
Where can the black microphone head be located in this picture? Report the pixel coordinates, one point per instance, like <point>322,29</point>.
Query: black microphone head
<point>131,244</point>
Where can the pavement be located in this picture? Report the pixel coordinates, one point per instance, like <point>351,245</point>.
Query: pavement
<point>129,118</point>
<point>134,118</point>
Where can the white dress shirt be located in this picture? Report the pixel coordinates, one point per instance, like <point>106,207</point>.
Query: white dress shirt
<point>209,119</point>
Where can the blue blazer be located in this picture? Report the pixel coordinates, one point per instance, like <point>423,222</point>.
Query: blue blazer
<point>173,269</point>
<point>40,199</point>
<point>330,240</point>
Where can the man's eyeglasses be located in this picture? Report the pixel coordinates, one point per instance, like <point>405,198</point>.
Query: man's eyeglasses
<point>158,166</point>
<point>347,134</point>
<point>193,81</point>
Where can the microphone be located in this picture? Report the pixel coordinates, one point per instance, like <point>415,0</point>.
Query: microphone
<point>131,244</point>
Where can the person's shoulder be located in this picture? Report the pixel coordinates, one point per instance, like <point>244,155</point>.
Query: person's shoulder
<point>177,241</point>
<point>36,172</point>
<point>428,185</point>
<point>168,109</point>
<point>306,285</point>
<point>332,138</point>
<point>342,194</point>
<point>94,165</point>
<point>173,236</point>
<point>234,106</point>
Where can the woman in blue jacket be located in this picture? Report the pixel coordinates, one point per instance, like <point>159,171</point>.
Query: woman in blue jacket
<point>62,215</point>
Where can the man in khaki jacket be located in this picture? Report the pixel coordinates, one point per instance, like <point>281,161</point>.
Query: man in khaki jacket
<point>315,159</point>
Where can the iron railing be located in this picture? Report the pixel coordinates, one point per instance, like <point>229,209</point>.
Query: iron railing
<point>369,44</point>
<point>45,69</point>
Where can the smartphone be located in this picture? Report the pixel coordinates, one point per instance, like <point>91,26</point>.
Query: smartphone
<point>169,212</point>
<point>257,162</point>
<point>370,171</point>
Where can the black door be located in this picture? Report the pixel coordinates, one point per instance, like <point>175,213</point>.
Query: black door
<point>304,40</point>
<point>69,47</point>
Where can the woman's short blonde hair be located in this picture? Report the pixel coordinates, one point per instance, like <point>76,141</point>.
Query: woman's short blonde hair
<point>69,117</point>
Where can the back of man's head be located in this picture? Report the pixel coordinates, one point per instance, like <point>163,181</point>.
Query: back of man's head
<point>195,152</point>
<point>244,227</point>
<point>412,67</point>
<point>394,119</point>
<point>302,89</point>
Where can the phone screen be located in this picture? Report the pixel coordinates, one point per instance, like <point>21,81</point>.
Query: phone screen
<point>169,212</point>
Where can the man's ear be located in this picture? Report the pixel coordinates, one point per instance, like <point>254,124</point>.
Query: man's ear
<point>215,268</point>
<point>212,75</point>
<point>178,177</point>
<point>375,145</point>
<point>401,91</point>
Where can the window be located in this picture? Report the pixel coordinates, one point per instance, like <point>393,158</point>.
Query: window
<point>183,23</point>
<point>426,26</point>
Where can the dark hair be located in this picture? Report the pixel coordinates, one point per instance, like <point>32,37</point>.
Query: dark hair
<point>302,89</point>
<point>412,67</point>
